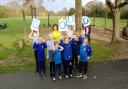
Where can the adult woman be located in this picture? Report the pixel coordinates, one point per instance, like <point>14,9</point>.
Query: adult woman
<point>56,33</point>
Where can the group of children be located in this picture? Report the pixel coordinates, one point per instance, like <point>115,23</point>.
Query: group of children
<point>71,52</point>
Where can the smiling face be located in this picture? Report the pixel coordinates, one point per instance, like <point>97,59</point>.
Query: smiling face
<point>55,28</point>
<point>34,33</point>
<point>66,40</point>
<point>51,36</point>
<point>40,39</point>
<point>82,32</point>
<point>56,44</point>
<point>85,41</point>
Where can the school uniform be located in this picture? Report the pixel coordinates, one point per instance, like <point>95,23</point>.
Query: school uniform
<point>67,56</point>
<point>74,53</point>
<point>50,45</point>
<point>35,39</point>
<point>58,61</point>
<point>40,47</point>
<point>85,52</point>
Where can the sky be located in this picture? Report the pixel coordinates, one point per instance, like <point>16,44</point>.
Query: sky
<point>57,5</point>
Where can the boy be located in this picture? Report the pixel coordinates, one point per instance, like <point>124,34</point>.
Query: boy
<point>81,37</point>
<point>40,47</point>
<point>85,52</point>
<point>34,37</point>
<point>50,44</point>
<point>58,61</point>
<point>67,57</point>
<point>74,52</point>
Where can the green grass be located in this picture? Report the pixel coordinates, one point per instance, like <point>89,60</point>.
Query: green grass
<point>101,53</point>
<point>100,22</point>
<point>24,59</point>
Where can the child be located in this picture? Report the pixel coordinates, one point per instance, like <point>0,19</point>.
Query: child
<point>84,53</point>
<point>81,37</point>
<point>57,60</point>
<point>56,33</point>
<point>34,37</point>
<point>74,51</point>
<point>70,31</point>
<point>50,44</point>
<point>40,47</point>
<point>67,57</point>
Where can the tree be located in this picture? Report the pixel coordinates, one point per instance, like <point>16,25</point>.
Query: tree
<point>115,10</point>
<point>3,11</point>
<point>78,14</point>
<point>83,11</point>
<point>71,11</point>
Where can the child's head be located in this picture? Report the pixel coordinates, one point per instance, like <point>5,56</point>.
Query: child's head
<point>66,40</point>
<point>56,44</point>
<point>55,27</point>
<point>40,38</point>
<point>34,33</point>
<point>51,36</point>
<point>85,41</point>
<point>70,27</point>
<point>74,36</point>
<point>87,30</point>
<point>82,32</point>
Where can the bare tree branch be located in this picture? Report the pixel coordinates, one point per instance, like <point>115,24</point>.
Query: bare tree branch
<point>122,4</point>
<point>111,6</point>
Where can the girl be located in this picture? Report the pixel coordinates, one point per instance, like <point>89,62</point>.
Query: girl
<point>70,31</point>
<point>85,52</point>
<point>50,44</point>
<point>58,61</point>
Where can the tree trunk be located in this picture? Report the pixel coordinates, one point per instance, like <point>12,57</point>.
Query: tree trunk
<point>78,14</point>
<point>116,26</point>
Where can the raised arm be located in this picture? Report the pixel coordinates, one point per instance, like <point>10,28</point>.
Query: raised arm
<point>30,35</point>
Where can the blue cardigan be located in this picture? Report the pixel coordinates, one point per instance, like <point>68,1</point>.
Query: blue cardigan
<point>57,56</point>
<point>67,52</point>
<point>40,47</point>
<point>85,51</point>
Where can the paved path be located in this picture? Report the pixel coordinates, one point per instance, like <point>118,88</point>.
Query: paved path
<point>109,75</point>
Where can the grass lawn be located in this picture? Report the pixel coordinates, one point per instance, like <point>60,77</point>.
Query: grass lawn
<point>12,60</point>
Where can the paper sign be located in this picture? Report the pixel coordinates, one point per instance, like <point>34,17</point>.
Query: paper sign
<point>86,21</point>
<point>62,25</point>
<point>70,20</point>
<point>35,24</point>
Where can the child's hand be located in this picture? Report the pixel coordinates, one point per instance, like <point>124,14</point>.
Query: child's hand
<point>43,40</point>
<point>87,58</point>
<point>78,58</point>
<point>47,57</point>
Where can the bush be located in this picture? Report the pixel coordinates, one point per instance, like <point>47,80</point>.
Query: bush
<point>3,11</point>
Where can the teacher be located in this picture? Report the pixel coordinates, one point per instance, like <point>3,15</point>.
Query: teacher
<point>56,33</point>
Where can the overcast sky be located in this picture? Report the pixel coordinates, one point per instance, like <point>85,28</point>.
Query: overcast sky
<point>57,5</point>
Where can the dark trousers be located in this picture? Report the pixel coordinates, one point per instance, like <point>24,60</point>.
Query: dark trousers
<point>83,67</point>
<point>57,71</point>
<point>75,62</point>
<point>42,67</point>
<point>52,68</point>
<point>35,54</point>
<point>67,67</point>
